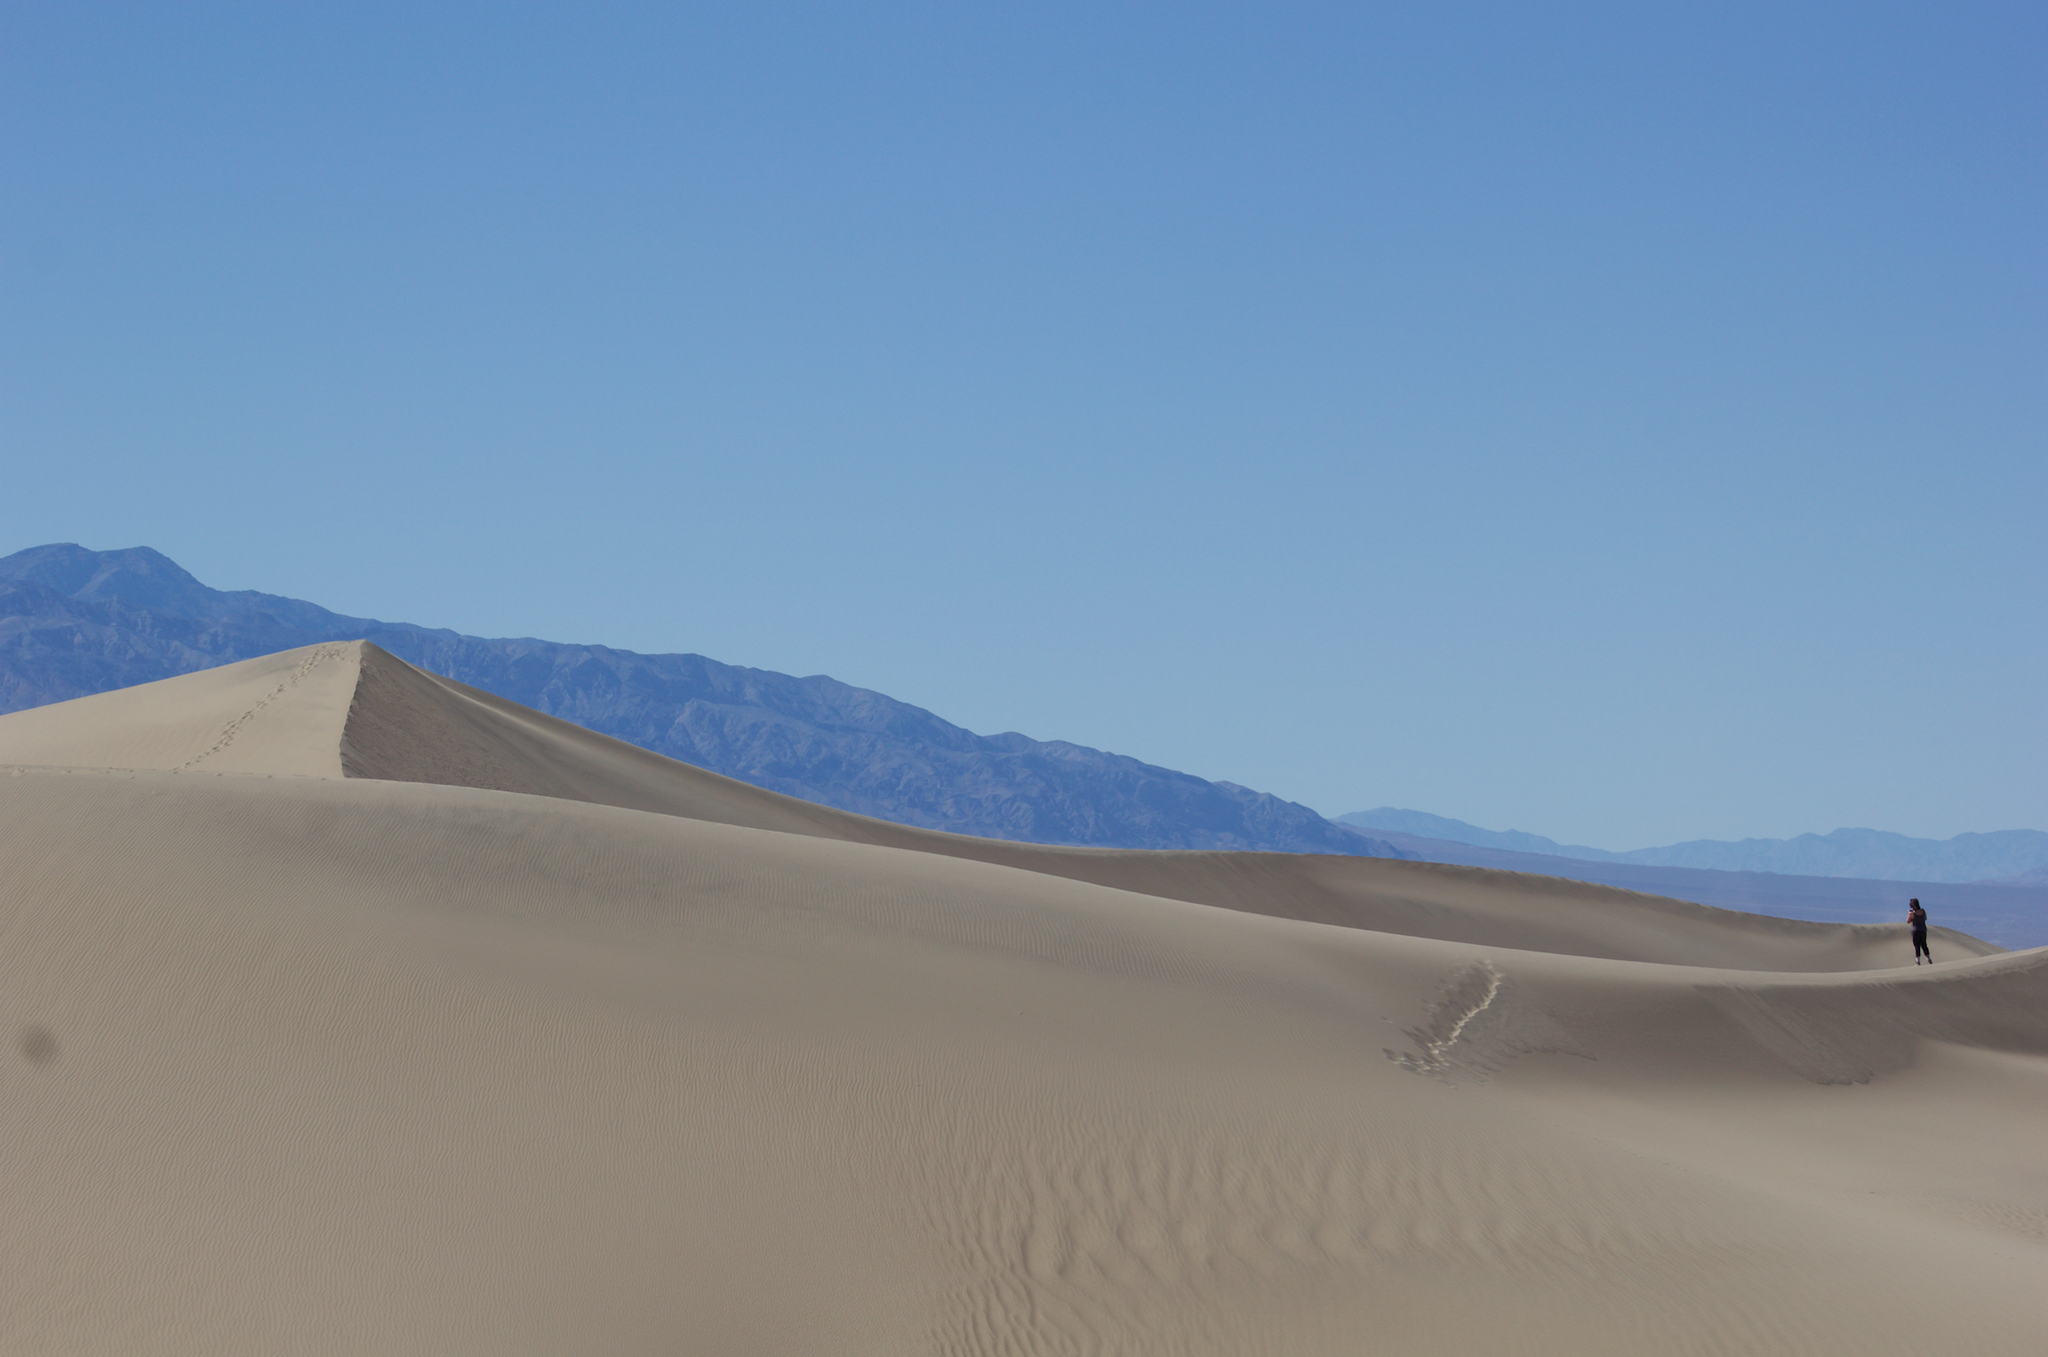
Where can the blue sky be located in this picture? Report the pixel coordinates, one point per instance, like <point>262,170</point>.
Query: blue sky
<point>1620,422</point>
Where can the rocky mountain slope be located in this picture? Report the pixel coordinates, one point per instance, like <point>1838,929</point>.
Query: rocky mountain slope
<point>74,622</point>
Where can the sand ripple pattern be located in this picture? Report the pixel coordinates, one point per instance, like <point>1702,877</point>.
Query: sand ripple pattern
<point>1106,1238</point>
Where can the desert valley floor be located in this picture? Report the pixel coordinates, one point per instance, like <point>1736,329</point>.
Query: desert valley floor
<point>348,1010</point>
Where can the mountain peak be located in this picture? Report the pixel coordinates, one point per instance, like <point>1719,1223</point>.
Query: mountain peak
<point>137,577</point>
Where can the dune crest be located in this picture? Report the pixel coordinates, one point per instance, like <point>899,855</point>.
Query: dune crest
<point>355,710</point>
<point>281,714</point>
<point>348,1010</point>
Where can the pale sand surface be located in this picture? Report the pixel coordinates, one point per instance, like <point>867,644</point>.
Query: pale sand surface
<point>283,713</point>
<point>303,1063</point>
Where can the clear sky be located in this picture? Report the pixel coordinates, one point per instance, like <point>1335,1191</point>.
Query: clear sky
<point>1621,422</point>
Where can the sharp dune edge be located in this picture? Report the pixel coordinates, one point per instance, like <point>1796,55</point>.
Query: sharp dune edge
<point>350,1010</point>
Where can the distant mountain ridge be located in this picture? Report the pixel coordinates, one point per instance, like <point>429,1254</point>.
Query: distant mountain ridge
<point>2018,856</point>
<point>75,622</point>
<point>2011,913</point>
<point>1424,825</point>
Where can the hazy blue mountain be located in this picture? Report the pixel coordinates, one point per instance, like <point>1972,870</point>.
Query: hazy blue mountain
<point>2010,913</point>
<point>1425,825</point>
<point>74,622</point>
<point>1864,852</point>
<point>2010,855</point>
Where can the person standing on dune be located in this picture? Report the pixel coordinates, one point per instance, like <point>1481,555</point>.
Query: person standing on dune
<point>1917,917</point>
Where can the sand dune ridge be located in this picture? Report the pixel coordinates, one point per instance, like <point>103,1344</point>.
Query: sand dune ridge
<point>354,1011</point>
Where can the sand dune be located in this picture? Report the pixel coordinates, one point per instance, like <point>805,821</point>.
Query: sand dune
<point>518,1040</point>
<point>283,713</point>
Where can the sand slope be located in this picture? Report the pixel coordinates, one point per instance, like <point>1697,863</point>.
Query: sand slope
<point>408,726</point>
<point>282,713</point>
<point>304,711</point>
<point>310,1063</point>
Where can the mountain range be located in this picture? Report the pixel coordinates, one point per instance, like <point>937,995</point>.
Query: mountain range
<point>75,622</point>
<point>2011,856</point>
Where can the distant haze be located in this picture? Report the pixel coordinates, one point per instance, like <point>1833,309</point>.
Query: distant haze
<point>1999,856</point>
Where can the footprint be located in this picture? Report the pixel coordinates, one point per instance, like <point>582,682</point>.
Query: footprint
<point>1477,1025</point>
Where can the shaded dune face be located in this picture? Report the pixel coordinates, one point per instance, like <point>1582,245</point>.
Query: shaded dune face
<point>349,1010</point>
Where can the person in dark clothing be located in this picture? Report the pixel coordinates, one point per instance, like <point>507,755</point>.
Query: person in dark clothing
<point>1917,917</point>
